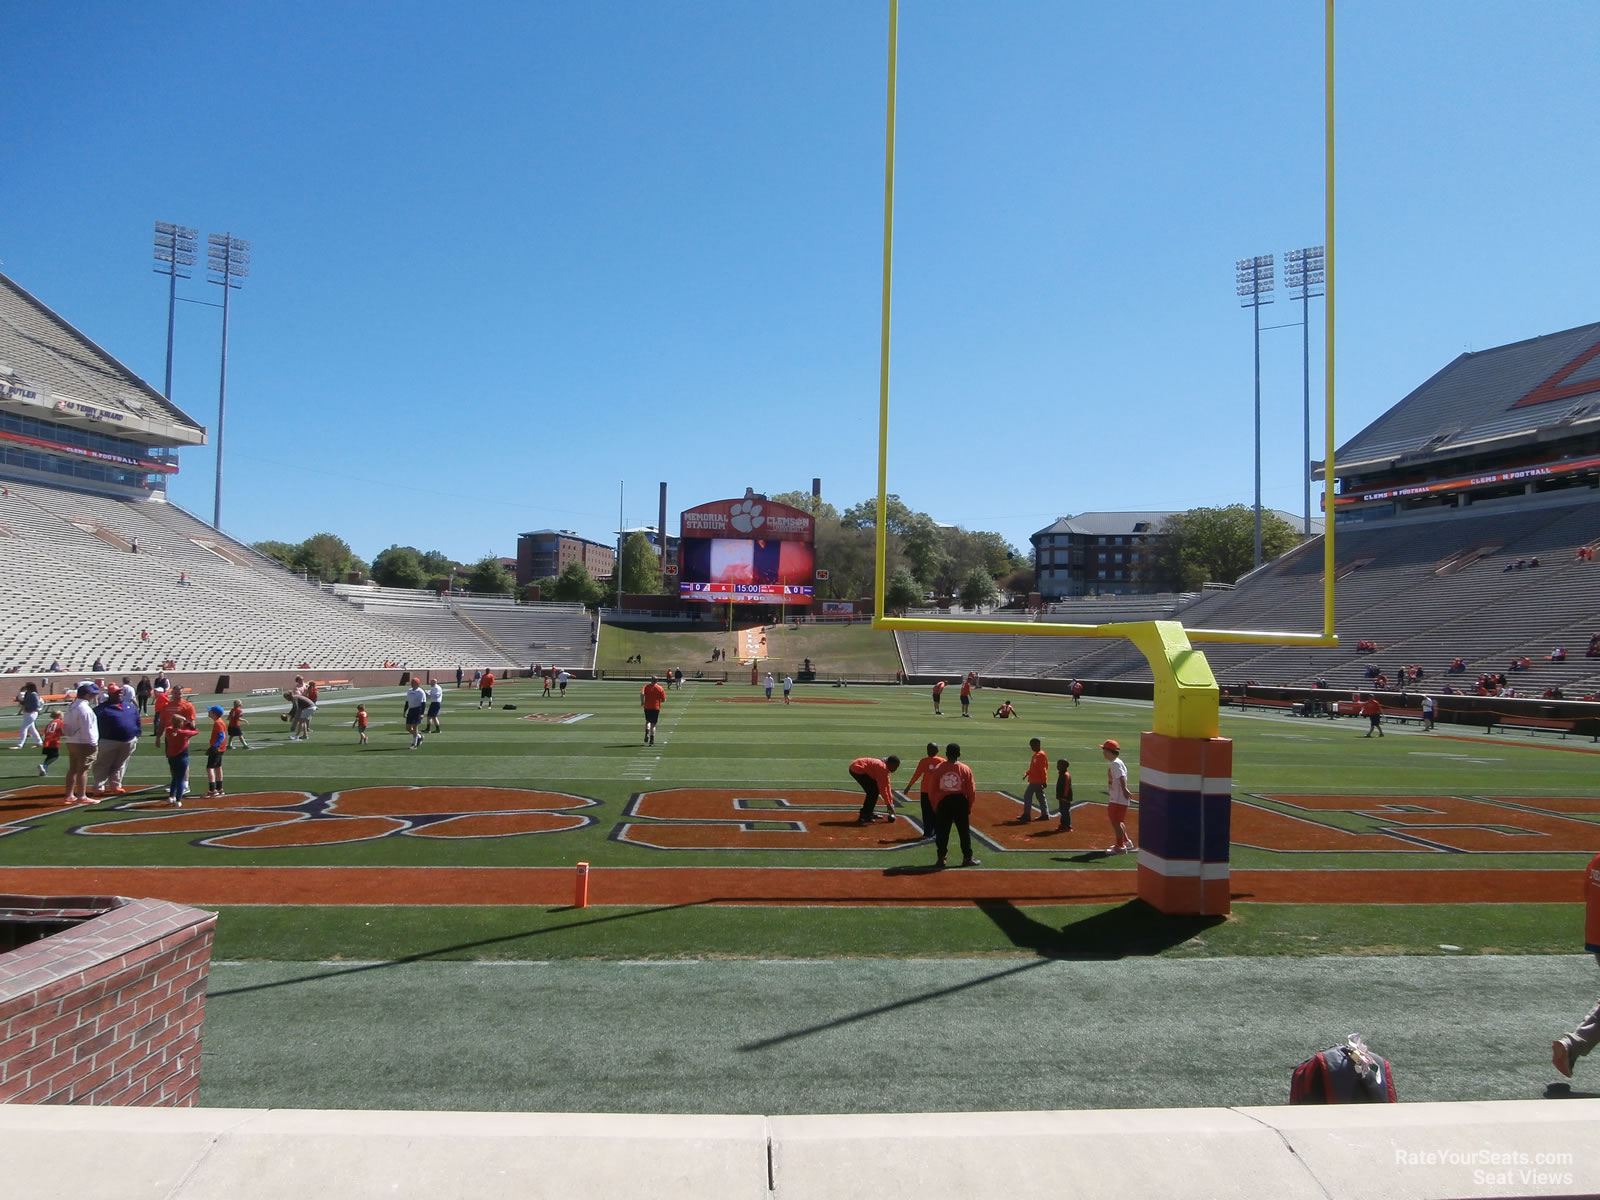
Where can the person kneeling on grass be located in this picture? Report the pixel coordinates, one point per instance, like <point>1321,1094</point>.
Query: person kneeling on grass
<point>1005,710</point>
<point>873,776</point>
<point>956,792</point>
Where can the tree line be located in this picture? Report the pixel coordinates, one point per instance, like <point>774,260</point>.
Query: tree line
<point>923,558</point>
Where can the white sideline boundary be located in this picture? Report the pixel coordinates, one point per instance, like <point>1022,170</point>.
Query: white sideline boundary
<point>1370,1152</point>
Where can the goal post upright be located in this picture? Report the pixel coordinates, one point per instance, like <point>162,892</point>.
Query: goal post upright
<point>1186,768</point>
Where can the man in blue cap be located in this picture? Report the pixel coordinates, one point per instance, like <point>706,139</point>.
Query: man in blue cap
<point>216,746</point>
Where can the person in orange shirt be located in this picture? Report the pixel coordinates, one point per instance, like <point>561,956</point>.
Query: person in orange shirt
<point>216,747</point>
<point>925,771</point>
<point>938,691</point>
<point>1567,1049</point>
<point>486,690</point>
<point>873,776</point>
<point>966,696</point>
<point>1037,775</point>
<point>158,724</point>
<point>51,748</point>
<point>236,724</point>
<point>361,723</point>
<point>180,728</point>
<point>954,795</point>
<point>651,697</point>
<point>1373,712</point>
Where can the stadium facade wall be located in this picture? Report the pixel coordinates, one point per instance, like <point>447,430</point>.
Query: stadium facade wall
<point>108,1011</point>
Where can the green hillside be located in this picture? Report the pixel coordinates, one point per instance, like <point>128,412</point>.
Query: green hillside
<point>854,651</point>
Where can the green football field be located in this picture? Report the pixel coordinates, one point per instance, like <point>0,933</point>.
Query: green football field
<point>556,781</point>
<point>992,1003</point>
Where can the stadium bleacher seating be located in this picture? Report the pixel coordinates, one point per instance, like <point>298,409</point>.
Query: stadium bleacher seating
<point>72,591</point>
<point>1402,584</point>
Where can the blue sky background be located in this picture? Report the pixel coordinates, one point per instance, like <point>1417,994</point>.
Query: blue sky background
<point>509,255</point>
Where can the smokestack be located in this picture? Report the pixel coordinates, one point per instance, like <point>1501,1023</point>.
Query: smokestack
<point>816,489</point>
<point>661,522</point>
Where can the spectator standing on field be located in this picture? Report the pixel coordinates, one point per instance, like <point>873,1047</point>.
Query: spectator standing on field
<point>82,738</point>
<point>29,706</point>
<point>1427,713</point>
<point>873,776</point>
<point>925,771</point>
<point>216,747</point>
<point>788,686</point>
<point>1077,692</point>
<point>141,693</point>
<point>938,693</point>
<point>1117,797</point>
<point>1037,775</point>
<point>561,681</point>
<point>416,700</point>
<point>1567,1049</point>
<point>1373,712</point>
<point>459,676</point>
<point>180,728</point>
<point>118,722</point>
<point>361,723</point>
<point>236,724</point>
<point>768,685</point>
<point>485,690</point>
<point>956,793</point>
<point>1064,794</point>
<point>435,703</point>
<point>966,696</point>
<point>651,697</point>
<point>54,727</point>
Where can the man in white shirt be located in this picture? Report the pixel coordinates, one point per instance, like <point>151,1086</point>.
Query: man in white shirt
<point>82,736</point>
<point>416,701</point>
<point>435,703</point>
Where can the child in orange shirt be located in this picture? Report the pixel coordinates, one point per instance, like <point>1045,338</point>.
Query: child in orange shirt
<point>236,724</point>
<point>216,746</point>
<point>53,730</point>
<point>361,722</point>
<point>180,728</point>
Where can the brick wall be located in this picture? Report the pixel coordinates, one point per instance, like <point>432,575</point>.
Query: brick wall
<point>109,1011</point>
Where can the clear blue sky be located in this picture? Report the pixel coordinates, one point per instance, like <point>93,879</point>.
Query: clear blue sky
<point>508,255</point>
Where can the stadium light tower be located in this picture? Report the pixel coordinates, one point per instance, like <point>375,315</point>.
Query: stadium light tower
<point>227,260</point>
<point>1254,279</point>
<point>174,250</point>
<point>1303,269</point>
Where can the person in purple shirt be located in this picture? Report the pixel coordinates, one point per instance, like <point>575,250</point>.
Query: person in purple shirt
<point>118,721</point>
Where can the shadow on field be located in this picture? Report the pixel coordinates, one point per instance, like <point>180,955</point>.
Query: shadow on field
<point>428,955</point>
<point>1130,930</point>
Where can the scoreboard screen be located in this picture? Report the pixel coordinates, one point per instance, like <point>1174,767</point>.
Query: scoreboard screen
<point>756,570</point>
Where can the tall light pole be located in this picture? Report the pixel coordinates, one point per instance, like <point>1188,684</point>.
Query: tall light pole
<point>1254,279</point>
<point>1303,269</point>
<point>227,260</point>
<point>174,250</point>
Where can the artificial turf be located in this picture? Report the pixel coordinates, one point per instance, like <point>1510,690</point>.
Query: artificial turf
<point>873,1035</point>
<point>728,737</point>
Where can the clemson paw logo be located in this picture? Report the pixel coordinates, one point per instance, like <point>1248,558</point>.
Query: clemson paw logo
<point>746,515</point>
